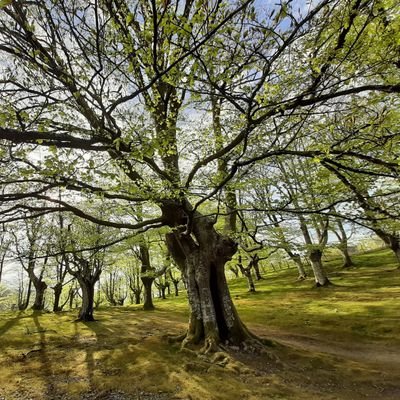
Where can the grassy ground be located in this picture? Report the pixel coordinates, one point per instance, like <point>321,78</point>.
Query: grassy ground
<point>340,342</point>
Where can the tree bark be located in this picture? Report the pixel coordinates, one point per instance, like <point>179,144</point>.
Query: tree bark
<point>343,244</point>
<point>86,311</point>
<point>347,261</point>
<point>201,257</point>
<point>147,280</point>
<point>57,296</point>
<point>137,297</point>
<point>24,303</point>
<point>2,259</point>
<point>392,240</point>
<point>147,292</point>
<point>246,271</point>
<point>176,287</point>
<point>321,278</point>
<point>40,287</point>
<point>255,263</point>
<point>299,264</point>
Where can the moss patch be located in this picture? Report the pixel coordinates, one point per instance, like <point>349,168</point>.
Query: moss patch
<point>339,342</point>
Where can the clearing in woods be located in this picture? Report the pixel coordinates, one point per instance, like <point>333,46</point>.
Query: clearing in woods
<point>340,342</point>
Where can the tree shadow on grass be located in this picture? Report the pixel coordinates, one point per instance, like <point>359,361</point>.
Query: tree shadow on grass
<point>46,371</point>
<point>11,322</point>
<point>132,356</point>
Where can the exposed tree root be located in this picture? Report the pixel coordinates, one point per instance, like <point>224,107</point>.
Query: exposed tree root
<point>175,338</point>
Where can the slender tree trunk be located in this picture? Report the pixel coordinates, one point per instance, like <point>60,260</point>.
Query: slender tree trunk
<point>24,303</point>
<point>176,286</point>
<point>255,262</point>
<point>72,294</point>
<point>246,271</point>
<point>146,280</point>
<point>2,259</point>
<point>87,307</point>
<point>347,261</point>
<point>299,264</point>
<point>321,278</point>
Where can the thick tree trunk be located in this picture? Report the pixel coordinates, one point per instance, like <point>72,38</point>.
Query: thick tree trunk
<point>86,311</point>
<point>147,293</point>
<point>40,287</point>
<point>321,278</point>
<point>201,257</point>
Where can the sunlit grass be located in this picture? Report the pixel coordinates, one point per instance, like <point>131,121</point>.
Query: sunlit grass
<point>45,353</point>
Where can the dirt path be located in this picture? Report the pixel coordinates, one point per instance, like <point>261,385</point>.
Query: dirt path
<point>378,355</point>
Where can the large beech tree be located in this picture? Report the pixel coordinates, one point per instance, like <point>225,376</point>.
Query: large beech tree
<point>111,99</point>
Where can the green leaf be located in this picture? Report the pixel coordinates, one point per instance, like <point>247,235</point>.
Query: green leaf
<point>129,18</point>
<point>5,3</point>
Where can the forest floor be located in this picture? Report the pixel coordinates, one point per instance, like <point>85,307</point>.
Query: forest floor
<point>340,342</point>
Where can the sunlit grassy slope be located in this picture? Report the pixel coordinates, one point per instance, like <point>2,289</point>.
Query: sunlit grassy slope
<point>339,342</point>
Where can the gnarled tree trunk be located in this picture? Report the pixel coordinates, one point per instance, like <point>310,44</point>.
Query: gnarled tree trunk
<point>201,257</point>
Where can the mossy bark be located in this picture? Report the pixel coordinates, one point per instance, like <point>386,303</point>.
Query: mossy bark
<point>201,256</point>
<point>40,288</point>
<point>87,307</point>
